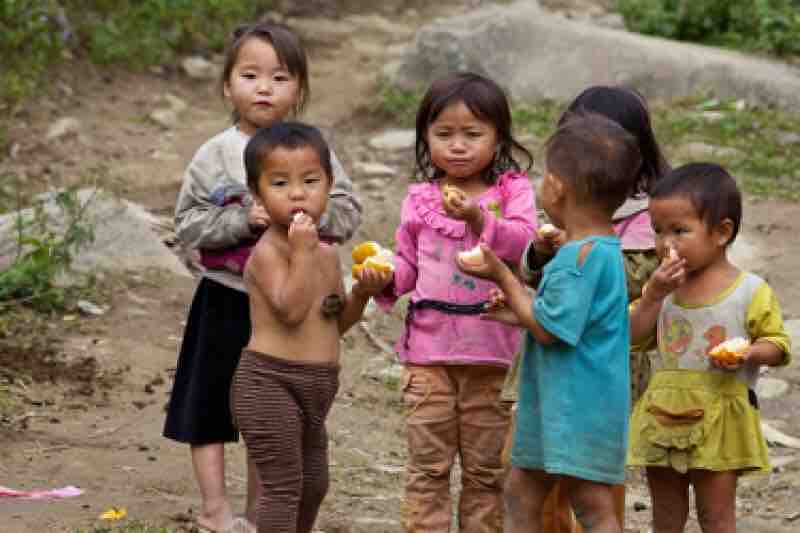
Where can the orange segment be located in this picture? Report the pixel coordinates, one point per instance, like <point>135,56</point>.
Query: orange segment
<point>379,264</point>
<point>364,250</point>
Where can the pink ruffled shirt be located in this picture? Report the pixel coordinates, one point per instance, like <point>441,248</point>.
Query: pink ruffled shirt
<point>427,242</point>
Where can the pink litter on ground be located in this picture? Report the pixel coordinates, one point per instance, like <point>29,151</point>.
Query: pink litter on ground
<point>64,492</point>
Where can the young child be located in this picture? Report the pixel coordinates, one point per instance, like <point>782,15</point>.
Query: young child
<point>698,423</point>
<point>288,374</point>
<point>574,382</point>
<point>627,108</point>
<point>265,79</point>
<point>455,363</point>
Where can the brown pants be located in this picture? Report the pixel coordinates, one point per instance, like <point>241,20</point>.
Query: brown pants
<point>280,407</point>
<point>454,410</point>
<point>557,515</point>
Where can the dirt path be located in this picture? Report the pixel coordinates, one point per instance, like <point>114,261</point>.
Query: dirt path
<point>104,435</point>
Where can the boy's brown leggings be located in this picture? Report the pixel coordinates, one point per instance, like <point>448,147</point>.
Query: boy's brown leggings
<point>280,407</point>
<point>557,515</point>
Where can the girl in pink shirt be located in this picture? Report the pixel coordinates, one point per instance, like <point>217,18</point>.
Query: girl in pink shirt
<point>455,363</point>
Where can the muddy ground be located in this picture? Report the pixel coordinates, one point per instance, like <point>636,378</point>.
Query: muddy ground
<point>91,414</point>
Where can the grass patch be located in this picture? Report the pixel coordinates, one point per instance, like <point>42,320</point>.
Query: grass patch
<point>398,105</point>
<point>749,141</point>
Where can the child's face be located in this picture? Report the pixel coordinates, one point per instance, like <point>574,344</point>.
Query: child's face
<point>260,87</point>
<point>462,146</point>
<point>677,225</point>
<point>292,181</point>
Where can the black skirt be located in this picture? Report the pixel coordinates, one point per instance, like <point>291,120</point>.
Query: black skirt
<point>217,330</point>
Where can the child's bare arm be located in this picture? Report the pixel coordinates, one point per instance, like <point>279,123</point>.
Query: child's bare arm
<point>520,302</point>
<point>643,318</point>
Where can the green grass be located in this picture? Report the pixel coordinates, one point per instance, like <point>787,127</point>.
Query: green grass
<point>764,166</point>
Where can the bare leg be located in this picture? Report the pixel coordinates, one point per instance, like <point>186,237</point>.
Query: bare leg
<point>525,492</point>
<point>594,506</point>
<point>715,495</point>
<point>209,470</point>
<point>669,490</point>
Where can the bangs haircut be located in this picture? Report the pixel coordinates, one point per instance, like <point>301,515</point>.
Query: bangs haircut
<point>596,157</point>
<point>487,101</point>
<point>288,48</point>
<point>711,189</point>
<point>289,135</point>
<point>628,108</point>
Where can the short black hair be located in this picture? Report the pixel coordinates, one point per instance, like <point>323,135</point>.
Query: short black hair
<point>487,101</point>
<point>290,135</point>
<point>597,157</point>
<point>711,189</point>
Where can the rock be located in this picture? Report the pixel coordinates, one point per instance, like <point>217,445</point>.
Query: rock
<point>174,103</point>
<point>778,438</point>
<point>789,137</point>
<point>713,116</point>
<point>374,169</point>
<point>770,388</point>
<point>614,21</point>
<point>536,56</point>
<point>63,127</point>
<point>701,150</point>
<point>757,524</point>
<point>322,30</point>
<point>394,140</point>
<point>123,236</point>
<point>793,330</point>
<point>166,118</point>
<point>200,68</point>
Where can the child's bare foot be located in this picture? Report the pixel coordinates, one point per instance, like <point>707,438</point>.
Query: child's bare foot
<point>216,522</point>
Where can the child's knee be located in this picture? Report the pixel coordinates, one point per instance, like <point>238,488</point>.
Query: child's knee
<point>716,519</point>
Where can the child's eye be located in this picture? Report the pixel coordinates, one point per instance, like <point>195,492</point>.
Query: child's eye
<point>279,183</point>
<point>281,77</point>
<point>313,180</point>
<point>248,75</point>
<point>475,134</point>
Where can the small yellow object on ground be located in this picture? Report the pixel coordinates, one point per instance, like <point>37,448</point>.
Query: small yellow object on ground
<point>114,514</point>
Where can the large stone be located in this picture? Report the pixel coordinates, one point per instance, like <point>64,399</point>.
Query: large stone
<point>124,236</point>
<point>769,388</point>
<point>537,56</point>
<point>393,140</point>
<point>63,127</point>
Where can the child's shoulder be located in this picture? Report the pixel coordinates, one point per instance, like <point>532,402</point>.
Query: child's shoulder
<point>228,138</point>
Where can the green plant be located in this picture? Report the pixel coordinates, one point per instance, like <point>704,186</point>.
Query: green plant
<point>35,34</point>
<point>768,25</point>
<point>398,104</point>
<point>43,252</point>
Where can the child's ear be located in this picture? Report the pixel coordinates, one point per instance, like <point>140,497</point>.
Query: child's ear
<point>226,90</point>
<point>724,232</point>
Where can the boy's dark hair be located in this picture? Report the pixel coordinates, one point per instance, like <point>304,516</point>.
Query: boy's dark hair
<point>487,101</point>
<point>287,47</point>
<point>290,135</point>
<point>712,191</point>
<point>597,158</point>
<point>628,108</point>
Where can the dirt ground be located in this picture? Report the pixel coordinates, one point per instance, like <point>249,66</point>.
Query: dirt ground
<point>95,421</point>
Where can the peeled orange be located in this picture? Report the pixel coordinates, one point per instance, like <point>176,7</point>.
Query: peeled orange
<point>364,250</point>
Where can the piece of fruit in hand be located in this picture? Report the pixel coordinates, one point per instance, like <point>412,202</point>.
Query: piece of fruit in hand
<point>451,192</point>
<point>548,231</point>
<point>364,250</point>
<point>472,257</point>
<point>730,351</point>
<point>671,255</point>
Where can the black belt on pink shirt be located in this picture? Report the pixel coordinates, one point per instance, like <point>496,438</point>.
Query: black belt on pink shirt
<point>443,307</point>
